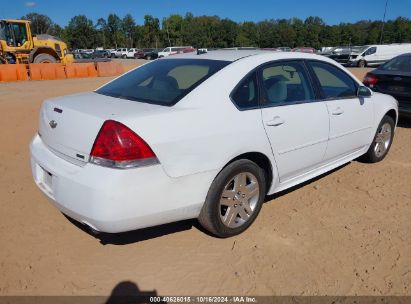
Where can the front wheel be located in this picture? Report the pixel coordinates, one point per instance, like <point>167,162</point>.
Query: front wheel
<point>382,141</point>
<point>44,58</point>
<point>362,64</point>
<point>234,199</point>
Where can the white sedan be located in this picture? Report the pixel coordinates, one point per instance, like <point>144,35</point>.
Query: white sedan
<point>204,136</point>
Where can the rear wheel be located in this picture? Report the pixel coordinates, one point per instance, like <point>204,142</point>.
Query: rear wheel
<point>382,141</point>
<point>44,58</point>
<point>234,199</point>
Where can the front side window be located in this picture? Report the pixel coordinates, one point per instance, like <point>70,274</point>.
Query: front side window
<point>162,82</point>
<point>245,95</point>
<point>371,50</point>
<point>286,83</point>
<point>334,82</point>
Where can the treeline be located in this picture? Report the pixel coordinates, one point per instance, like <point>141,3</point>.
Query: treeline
<point>214,32</point>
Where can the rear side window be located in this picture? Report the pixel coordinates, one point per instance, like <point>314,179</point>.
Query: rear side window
<point>286,83</point>
<point>245,95</point>
<point>163,82</point>
<point>334,83</point>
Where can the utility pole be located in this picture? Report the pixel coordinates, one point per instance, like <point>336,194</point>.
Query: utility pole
<point>383,21</point>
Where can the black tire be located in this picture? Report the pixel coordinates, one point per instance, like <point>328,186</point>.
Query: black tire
<point>210,215</point>
<point>372,155</point>
<point>124,56</point>
<point>148,57</point>
<point>362,64</point>
<point>44,58</point>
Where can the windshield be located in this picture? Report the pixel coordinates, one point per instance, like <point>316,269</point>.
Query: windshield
<point>162,82</point>
<point>402,63</point>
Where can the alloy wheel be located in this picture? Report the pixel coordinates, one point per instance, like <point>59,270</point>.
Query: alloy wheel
<point>239,199</point>
<point>382,140</point>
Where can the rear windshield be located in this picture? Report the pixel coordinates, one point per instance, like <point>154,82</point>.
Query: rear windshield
<point>164,81</point>
<point>402,63</point>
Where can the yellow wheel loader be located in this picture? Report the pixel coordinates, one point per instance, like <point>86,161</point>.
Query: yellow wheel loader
<point>17,45</point>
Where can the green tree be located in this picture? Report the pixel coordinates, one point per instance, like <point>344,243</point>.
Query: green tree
<point>128,26</point>
<point>151,31</point>
<point>40,24</point>
<point>80,32</point>
<point>114,30</point>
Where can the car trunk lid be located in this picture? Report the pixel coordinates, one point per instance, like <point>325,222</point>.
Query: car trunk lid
<point>69,125</point>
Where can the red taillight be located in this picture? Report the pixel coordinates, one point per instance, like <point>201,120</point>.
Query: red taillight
<point>118,146</point>
<point>370,80</point>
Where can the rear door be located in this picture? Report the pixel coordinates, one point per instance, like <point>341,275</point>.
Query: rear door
<point>351,118</point>
<point>295,122</point>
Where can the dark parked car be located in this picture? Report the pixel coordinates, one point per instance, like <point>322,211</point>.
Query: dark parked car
<point>101,54</point>
<point>393,78</point>
<point>82,57</point>
<point>148,54</point>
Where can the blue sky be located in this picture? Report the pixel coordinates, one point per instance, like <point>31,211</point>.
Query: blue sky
<point>332,11</point>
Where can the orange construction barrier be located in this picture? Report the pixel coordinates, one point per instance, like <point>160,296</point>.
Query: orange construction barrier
<point>78,70</point>
<point>46,71</point>
<point>107,69</point>
<point>13,72</point>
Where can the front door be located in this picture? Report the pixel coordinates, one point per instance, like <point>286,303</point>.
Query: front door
<point>351,117</point>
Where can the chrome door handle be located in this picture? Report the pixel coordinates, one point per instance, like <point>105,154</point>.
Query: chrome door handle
<point>338,111</point>
<point>275,122</point>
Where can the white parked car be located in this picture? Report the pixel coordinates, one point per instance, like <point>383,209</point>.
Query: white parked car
<point>121,53</point>
<point>131,52</point>
<point>204,136</point>
<point>171,50</point>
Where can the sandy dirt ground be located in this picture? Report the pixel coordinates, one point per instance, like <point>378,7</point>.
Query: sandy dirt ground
<point>346,233</point>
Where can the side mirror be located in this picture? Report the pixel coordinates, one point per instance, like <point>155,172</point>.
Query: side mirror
<point>363,92</point>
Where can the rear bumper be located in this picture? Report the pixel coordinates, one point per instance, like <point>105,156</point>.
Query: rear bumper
<point>113,200</point>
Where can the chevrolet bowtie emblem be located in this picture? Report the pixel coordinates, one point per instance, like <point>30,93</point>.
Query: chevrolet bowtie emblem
<point>53,124</point>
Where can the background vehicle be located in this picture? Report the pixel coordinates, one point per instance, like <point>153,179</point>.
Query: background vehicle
<point>120,53</point>
<point>100,54</point>
<point>142,123</point>
<point>139,54</point>
<point>393,78</point>
<point>284,49</point>
<point>148,54</point>
<point>96,56</point>
<point>304,50</point>
<point>17,45</point>
<point>374,55</point>
<point>132,52</point>
<point>185,50</point>
<point>341,54</point>
<point>171,50</point>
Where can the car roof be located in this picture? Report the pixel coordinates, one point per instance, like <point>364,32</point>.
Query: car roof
<point>235,55</point>
<point>225,55</point>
